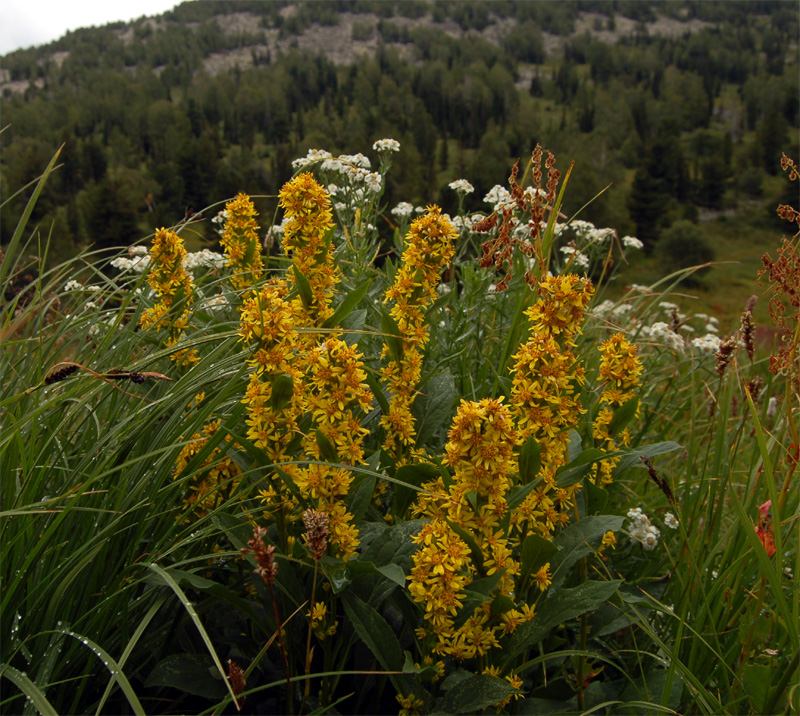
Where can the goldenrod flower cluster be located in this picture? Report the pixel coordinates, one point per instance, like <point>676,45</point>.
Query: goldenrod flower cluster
<point>215,480</point>
<point>429,249</point>
<point>268,322</point>
<point>546,379</point>
<point>620,368</point>
<point>240,242</point>
<point>175,289</point>
<point>337,393</point>
<point>309,219</point>
<point>480,451</point>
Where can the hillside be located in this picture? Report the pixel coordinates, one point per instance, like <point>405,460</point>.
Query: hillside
<point>682,108</point>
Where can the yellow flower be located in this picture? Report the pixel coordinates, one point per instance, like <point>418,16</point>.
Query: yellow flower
<point>175,290</point>
<point>240,241</point>
<point>428,250</point>
<point>308,211</point>
<point>542,578</point>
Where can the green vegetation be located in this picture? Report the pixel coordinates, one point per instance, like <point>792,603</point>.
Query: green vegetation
<point>163,117</point>
<point>611,500</point>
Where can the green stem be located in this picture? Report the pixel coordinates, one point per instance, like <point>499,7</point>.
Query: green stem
<point>308,641</point>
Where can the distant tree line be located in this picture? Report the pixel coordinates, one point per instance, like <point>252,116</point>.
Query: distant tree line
<point>672,124</point>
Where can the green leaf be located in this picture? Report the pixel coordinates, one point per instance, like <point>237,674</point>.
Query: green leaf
<point>424,673</point>
<point>373,630</point>
<point>632,457</point>
<point>501,604</point>
<point>282,391</point>
<point>563,606</point>
<point>377,391</point>
<point>596,497</point>
<point>530,460</point>
<point>534,553</point>
<point>326,450</point>
<point>475,694</point>
<point>303,287</point>
<point>190,610</point>
<point>352,300</point>
<point>393,336</point>
<point>475,551</point>
<point>27,687</point>
<point>516,495</point>
<point>578,540</point>
<point>360,496</point>
<point>392,545</point>
<point>577,468</point>
<point>622,416</point>
<point>190,673</point>
<point>414,474</point>
<point>433,407</point>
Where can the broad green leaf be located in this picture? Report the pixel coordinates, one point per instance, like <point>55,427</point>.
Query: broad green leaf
<point>393,545</point>
<point>596,497</point>
<point>535,552</point>
<point>622,416</point>
<point>474,694</point>
<point>433,407</point>
<point>303,287</point>
<point>352,299</point>
<point>563,606</point>
<point>282,391</point>
<point>516,495</point>
<point>377,391</point>
<point>578,540</point>
<point>633,457</point>
<point>190,673</point>
<point>360,496</point>
<point>475,551</point>
<point>373,630</point>
<point>578,467</point>
<point>530,460</point>
<point>326,450</point>
<point>413,474</point>
<point>393,336</point>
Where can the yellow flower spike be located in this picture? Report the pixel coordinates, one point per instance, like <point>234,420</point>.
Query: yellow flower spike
<point>620,368</point>
<point>170,281</point>
<point>428,251</point>
<point>308,210</point>
<point>241,243</point>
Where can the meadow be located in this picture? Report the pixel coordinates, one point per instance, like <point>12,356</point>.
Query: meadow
<point>472,470</point>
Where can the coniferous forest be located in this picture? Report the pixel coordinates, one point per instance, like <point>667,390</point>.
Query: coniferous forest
<point>403,356</point>
<point>681,108</point>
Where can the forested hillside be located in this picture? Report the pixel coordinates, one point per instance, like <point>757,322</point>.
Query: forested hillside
<point>682,107</point>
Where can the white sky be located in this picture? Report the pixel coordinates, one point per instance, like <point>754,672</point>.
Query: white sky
<point>34,22</point>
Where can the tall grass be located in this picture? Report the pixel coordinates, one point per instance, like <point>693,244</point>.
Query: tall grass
<point>120,596</point>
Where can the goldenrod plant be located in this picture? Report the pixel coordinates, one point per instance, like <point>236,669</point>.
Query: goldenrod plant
<point>475,476</point>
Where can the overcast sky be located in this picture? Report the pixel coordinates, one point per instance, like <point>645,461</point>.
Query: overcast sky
<point>34,22</point>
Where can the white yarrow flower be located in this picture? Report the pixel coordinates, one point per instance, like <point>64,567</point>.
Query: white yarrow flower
<point>386,145</point>
<point>671,521</point>
<point>632,242</point>
<point>462,186</point>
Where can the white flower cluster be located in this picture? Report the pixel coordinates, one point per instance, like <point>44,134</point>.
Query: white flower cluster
<point>386,145</point>
<point>138,263</point>
<point>642,530</point>
<point>671,521</point>
<point>708,344</point>
<point>312,156</point>
<point>216,303</point>
<point>204,259</point>
<point>663,333</point>
<point>609,309</point>
<point>465,223</point>
<point>73,285</point>
<point>575,259</point>
<point>498,196</point>
<point>462,186</point>
<point>631,242</point>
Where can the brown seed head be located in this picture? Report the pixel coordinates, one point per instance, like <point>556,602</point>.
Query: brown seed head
<point>236,677</point>
<point>748,331</point>
<point>316,532</point>
<point>265,556</point>
<point>725,355</point>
